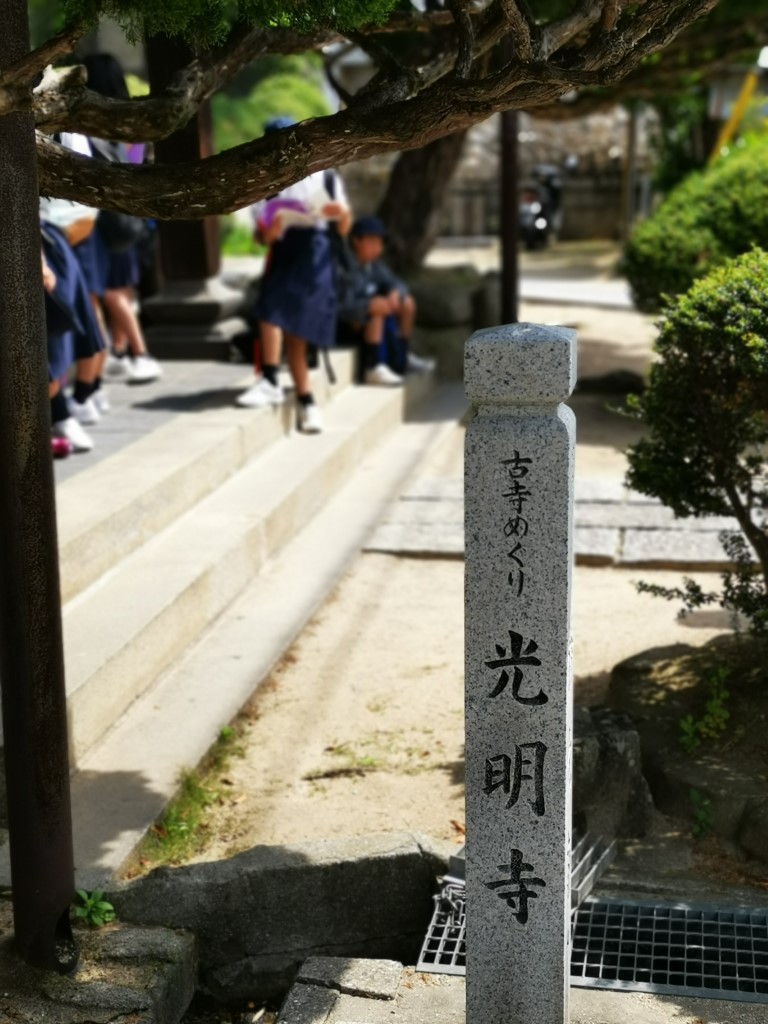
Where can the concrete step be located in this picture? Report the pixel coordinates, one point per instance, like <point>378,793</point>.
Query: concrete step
<point>109,510</point>
<point>126,779</point>
<point>137,619</point>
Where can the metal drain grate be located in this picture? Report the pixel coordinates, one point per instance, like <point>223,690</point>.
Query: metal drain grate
<point>444,949</point>
<point>675,950</point>
<point>646,947</point>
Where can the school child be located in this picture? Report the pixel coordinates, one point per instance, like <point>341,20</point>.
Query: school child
<point>375,308</point>
<point>117,271</point>
<point>71,329</point>
<point>297,301</point>
<point>70,227</point>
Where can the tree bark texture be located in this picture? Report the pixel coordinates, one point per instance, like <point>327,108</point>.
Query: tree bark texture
<point>415,196</point>
<point>31,649</point>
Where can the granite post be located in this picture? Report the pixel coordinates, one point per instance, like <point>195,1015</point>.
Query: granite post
<point>519,524</point>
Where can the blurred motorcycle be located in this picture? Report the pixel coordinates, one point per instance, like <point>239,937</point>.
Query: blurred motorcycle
<point>541,207</point>
<point>535,224</point>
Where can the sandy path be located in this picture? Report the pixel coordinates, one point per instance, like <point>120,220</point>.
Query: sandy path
<point>360,728</point>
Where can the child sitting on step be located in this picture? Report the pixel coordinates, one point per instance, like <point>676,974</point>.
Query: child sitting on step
<point>376,309</point>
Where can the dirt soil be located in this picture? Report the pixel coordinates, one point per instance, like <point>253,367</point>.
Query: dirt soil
<point>360,728</point>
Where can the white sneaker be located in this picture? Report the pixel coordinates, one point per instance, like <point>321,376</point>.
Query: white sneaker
<point>383,376</point>
<point>418,364</point>
<point>101,400</point>
<point>116,367</point>
<point>261,394</point>
<point>310,419</point>
<point>74,433</point>
<point>143,369</point>
<point>85,412</point>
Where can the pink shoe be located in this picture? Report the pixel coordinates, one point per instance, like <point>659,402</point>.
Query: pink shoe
<point>60,447</point>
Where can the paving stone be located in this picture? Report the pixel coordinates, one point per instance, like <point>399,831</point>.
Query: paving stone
<point>418,539</point>
<point>671,548</point>
<point>307,1004</point>
<point>423,510</point>
<point>621,515</point>
<point>599,490</point>
<point>647,517</point>
<point>636,498</point>
<point>595,545</point>
<point>373,979</point>
<point>435,489</point>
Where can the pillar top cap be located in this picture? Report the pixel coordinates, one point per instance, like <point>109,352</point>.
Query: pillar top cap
<point>520,364</point>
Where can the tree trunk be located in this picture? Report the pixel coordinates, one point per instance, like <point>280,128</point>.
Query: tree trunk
<point>31,652</point>
<point>414,199</point>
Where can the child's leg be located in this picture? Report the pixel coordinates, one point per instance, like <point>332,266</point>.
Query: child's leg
<point>270,340</point>
<point>296,353</point>
<point>309,417</point>
<point>375,345</point>
<point>406,314</point>
<point>126,329</point>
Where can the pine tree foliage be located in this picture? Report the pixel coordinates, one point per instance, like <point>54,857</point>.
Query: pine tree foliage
<point>439,66</point>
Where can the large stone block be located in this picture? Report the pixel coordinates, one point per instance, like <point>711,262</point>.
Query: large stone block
<point>258,915</point>
<point>445,297</point>
<point>658,689</point>
<point>445,345</point>
<point>611,798</point>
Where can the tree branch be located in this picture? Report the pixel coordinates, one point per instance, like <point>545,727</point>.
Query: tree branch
<point>72,105</point>
<point>406,108</point>
<point>559,34</point>
<point>465,30</point>
<point>610,15</point>
<point>521,39</point>
<point>24,71</point>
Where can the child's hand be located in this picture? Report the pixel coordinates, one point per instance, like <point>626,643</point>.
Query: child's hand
<point>273,233</point>
<point>333,211</point>
<point>49,278</point>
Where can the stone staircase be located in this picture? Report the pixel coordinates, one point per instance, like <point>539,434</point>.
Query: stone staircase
<point>188,565</point>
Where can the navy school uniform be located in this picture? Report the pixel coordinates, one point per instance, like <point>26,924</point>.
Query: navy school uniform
<point>298,292</point>
<point>104,269</point>
<point>71,294</point>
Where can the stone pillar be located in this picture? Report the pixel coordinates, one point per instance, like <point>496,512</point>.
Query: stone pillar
<point>194,315</point>
<point>519,524</point>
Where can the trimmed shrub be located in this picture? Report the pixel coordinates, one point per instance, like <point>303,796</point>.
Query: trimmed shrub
<point>713,215</point>
<point>706,410</point>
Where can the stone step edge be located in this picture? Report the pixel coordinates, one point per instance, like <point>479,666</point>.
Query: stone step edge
<point>114,649</point>
<point>110,510</point>
<point>126,780</point>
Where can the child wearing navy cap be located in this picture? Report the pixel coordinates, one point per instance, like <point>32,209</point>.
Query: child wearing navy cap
<point>376,307</point>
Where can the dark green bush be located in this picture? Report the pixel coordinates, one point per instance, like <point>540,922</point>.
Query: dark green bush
<point>713,215</point>
<point>706,410</point>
